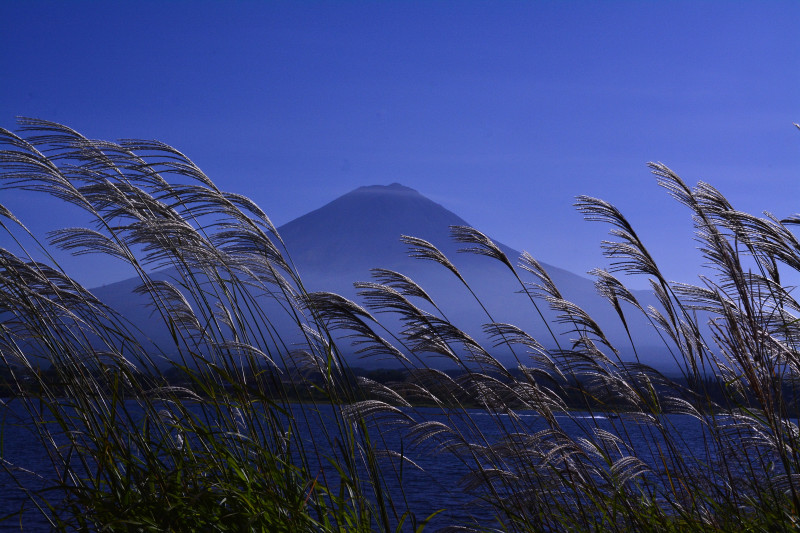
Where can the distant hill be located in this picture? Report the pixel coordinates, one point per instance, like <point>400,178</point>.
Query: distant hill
<point>339,243</point>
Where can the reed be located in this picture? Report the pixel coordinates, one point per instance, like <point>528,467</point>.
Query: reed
<point>207,434</point>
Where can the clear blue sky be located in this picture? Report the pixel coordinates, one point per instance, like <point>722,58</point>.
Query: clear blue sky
<point>501,111</point>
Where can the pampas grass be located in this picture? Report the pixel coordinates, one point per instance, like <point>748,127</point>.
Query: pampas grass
<point>211,437</point>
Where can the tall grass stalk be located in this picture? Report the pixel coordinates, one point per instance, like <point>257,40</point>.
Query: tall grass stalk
<point>205,434</point>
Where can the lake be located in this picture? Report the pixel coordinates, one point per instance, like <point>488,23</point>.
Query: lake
<point>437,486</point>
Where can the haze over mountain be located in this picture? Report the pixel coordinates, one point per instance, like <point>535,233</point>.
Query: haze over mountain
<point>339,243</point>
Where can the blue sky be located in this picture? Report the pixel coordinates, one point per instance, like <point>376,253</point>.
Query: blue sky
<point>501,111</point>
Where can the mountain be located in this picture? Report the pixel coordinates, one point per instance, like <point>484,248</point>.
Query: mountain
<point>361,230</point>
<point>339,243</point>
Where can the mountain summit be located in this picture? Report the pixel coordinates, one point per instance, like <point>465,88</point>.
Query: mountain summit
<point>362,229</point>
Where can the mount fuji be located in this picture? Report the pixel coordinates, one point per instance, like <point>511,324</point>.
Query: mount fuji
<point>338,244</point>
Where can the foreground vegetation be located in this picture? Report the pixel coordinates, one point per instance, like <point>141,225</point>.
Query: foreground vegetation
<point>209,441</point>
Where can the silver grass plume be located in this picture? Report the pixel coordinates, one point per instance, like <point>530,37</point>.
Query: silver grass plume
<point>422,249</point>
<point>482,245</point>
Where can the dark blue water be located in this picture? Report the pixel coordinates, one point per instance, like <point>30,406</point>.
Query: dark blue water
<point>24,464</point>
<point>437,486</point>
